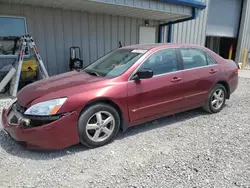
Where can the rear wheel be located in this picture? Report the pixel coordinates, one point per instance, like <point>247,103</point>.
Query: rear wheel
<point>98,125</point>
<point>216,99</point>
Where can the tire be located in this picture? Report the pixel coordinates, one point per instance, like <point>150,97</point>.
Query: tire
<point>92,121</point>
<point>210,106</point>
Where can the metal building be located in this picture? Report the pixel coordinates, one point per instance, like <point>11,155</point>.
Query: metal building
<point>222,24</point>
<point>96,26</point>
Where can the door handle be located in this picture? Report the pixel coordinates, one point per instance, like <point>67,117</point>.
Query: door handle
<point>176,79</point>
<point>212,71</point>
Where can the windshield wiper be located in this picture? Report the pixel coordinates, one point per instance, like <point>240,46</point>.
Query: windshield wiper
<point>92,73</point>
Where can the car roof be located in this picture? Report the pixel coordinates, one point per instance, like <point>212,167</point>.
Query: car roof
<point>160,45</point>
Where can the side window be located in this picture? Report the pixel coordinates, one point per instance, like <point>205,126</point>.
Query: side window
<point>193,58</point>
<point>161,62</point>
<point>210,60</point>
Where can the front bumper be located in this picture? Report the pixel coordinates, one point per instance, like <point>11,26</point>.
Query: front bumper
<point>58,134</point>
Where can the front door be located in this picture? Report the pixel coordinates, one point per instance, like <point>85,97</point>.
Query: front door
<point>199,75</point>
<point>162,92</point>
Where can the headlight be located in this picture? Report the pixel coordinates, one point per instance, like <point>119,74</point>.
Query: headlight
<point>46,108</point>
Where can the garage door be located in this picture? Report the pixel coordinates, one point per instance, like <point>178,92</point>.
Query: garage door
<point>224,18</point>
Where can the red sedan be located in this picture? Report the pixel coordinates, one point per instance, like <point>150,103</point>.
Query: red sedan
<point>126,87</point>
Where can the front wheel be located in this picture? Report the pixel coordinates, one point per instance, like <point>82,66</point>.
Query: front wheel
<point>216,99</point>
<point>98,125</point>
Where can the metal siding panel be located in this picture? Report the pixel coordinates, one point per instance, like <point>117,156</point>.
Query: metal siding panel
<point>50,41</point>
<point>175,33</point>
<point>161,6</point>
<point>85,36</point>
<point>173,8</point>
<point>100,35</point>
<point>127,31</point>
<point>76,21</point>
<point>110,1</point>
<point>114,31</point>
<point>193,31</point>
<point>121,29</point>
<point>5,9</point>
<point>121,2</point>
<point>137,3</point>
<point>108,34</point>
<point>92,36</point>
<point>244,35</point>
<point>204,28</point>
<point>68,36</point>
<point>67,28</point>
<point>16,9</point>
<point>145,3</point>
<point>133,31</point>
<point>166,7</point>
<point>139,23</point>
<point>155,24</point>
<point>200,29</point>
<point>186,10</point>
<point>59,40</point>
<point>180,33</point>
<point>184,32</point>
<point>188,34</point>
<point>129,2</point>
<point>28,14</point>
<point>153,5</point>
<point>197,26</point>
<point>180,9</point>
<point>40,33</point>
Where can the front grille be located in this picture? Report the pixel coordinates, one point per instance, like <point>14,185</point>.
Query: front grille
<point>13,119</point>
<point>15,113</point>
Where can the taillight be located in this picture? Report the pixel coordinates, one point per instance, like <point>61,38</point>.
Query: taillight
<point>236,70</point>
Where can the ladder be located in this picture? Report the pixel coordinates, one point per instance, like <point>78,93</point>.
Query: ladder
<point>15,73</point>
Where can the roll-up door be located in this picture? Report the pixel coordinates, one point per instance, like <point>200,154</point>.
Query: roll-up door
<point>224,18</point>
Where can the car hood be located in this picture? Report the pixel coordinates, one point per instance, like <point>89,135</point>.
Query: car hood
<point>54,84</point>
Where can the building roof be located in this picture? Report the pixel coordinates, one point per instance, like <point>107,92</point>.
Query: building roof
<point>189,3</point>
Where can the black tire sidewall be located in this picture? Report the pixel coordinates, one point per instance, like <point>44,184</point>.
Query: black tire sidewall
<point>84,117</point>
<point>217,86</point>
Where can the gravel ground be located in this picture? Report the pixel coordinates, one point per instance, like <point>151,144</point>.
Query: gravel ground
<point>191,149</point>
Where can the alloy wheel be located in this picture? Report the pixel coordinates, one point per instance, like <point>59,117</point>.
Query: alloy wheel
<point>218,98</point>
<point>100,126</point>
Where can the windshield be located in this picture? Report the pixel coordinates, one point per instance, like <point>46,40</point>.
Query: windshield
<point>114,63</point>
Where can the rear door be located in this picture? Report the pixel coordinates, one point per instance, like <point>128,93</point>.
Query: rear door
<point>199,75</point>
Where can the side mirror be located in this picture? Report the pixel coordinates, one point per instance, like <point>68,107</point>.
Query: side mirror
<point>143,74</point>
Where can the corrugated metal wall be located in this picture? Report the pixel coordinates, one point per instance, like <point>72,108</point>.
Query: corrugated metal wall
<point>56,30</point>
<point>193,31</point>
<point>244,35</point>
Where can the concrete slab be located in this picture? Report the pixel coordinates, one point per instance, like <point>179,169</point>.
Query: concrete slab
<point>244,73</point>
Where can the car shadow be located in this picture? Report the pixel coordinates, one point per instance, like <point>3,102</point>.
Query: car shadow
<point>161,122</point>
<point>14,148</point>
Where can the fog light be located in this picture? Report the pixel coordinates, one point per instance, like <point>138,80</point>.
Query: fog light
<point>26,122</point>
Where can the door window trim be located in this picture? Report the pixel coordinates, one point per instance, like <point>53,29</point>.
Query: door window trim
<point>199,49</point>
<point>165,48</point>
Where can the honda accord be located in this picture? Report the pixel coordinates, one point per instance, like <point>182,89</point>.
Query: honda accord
<point>126,87</point>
